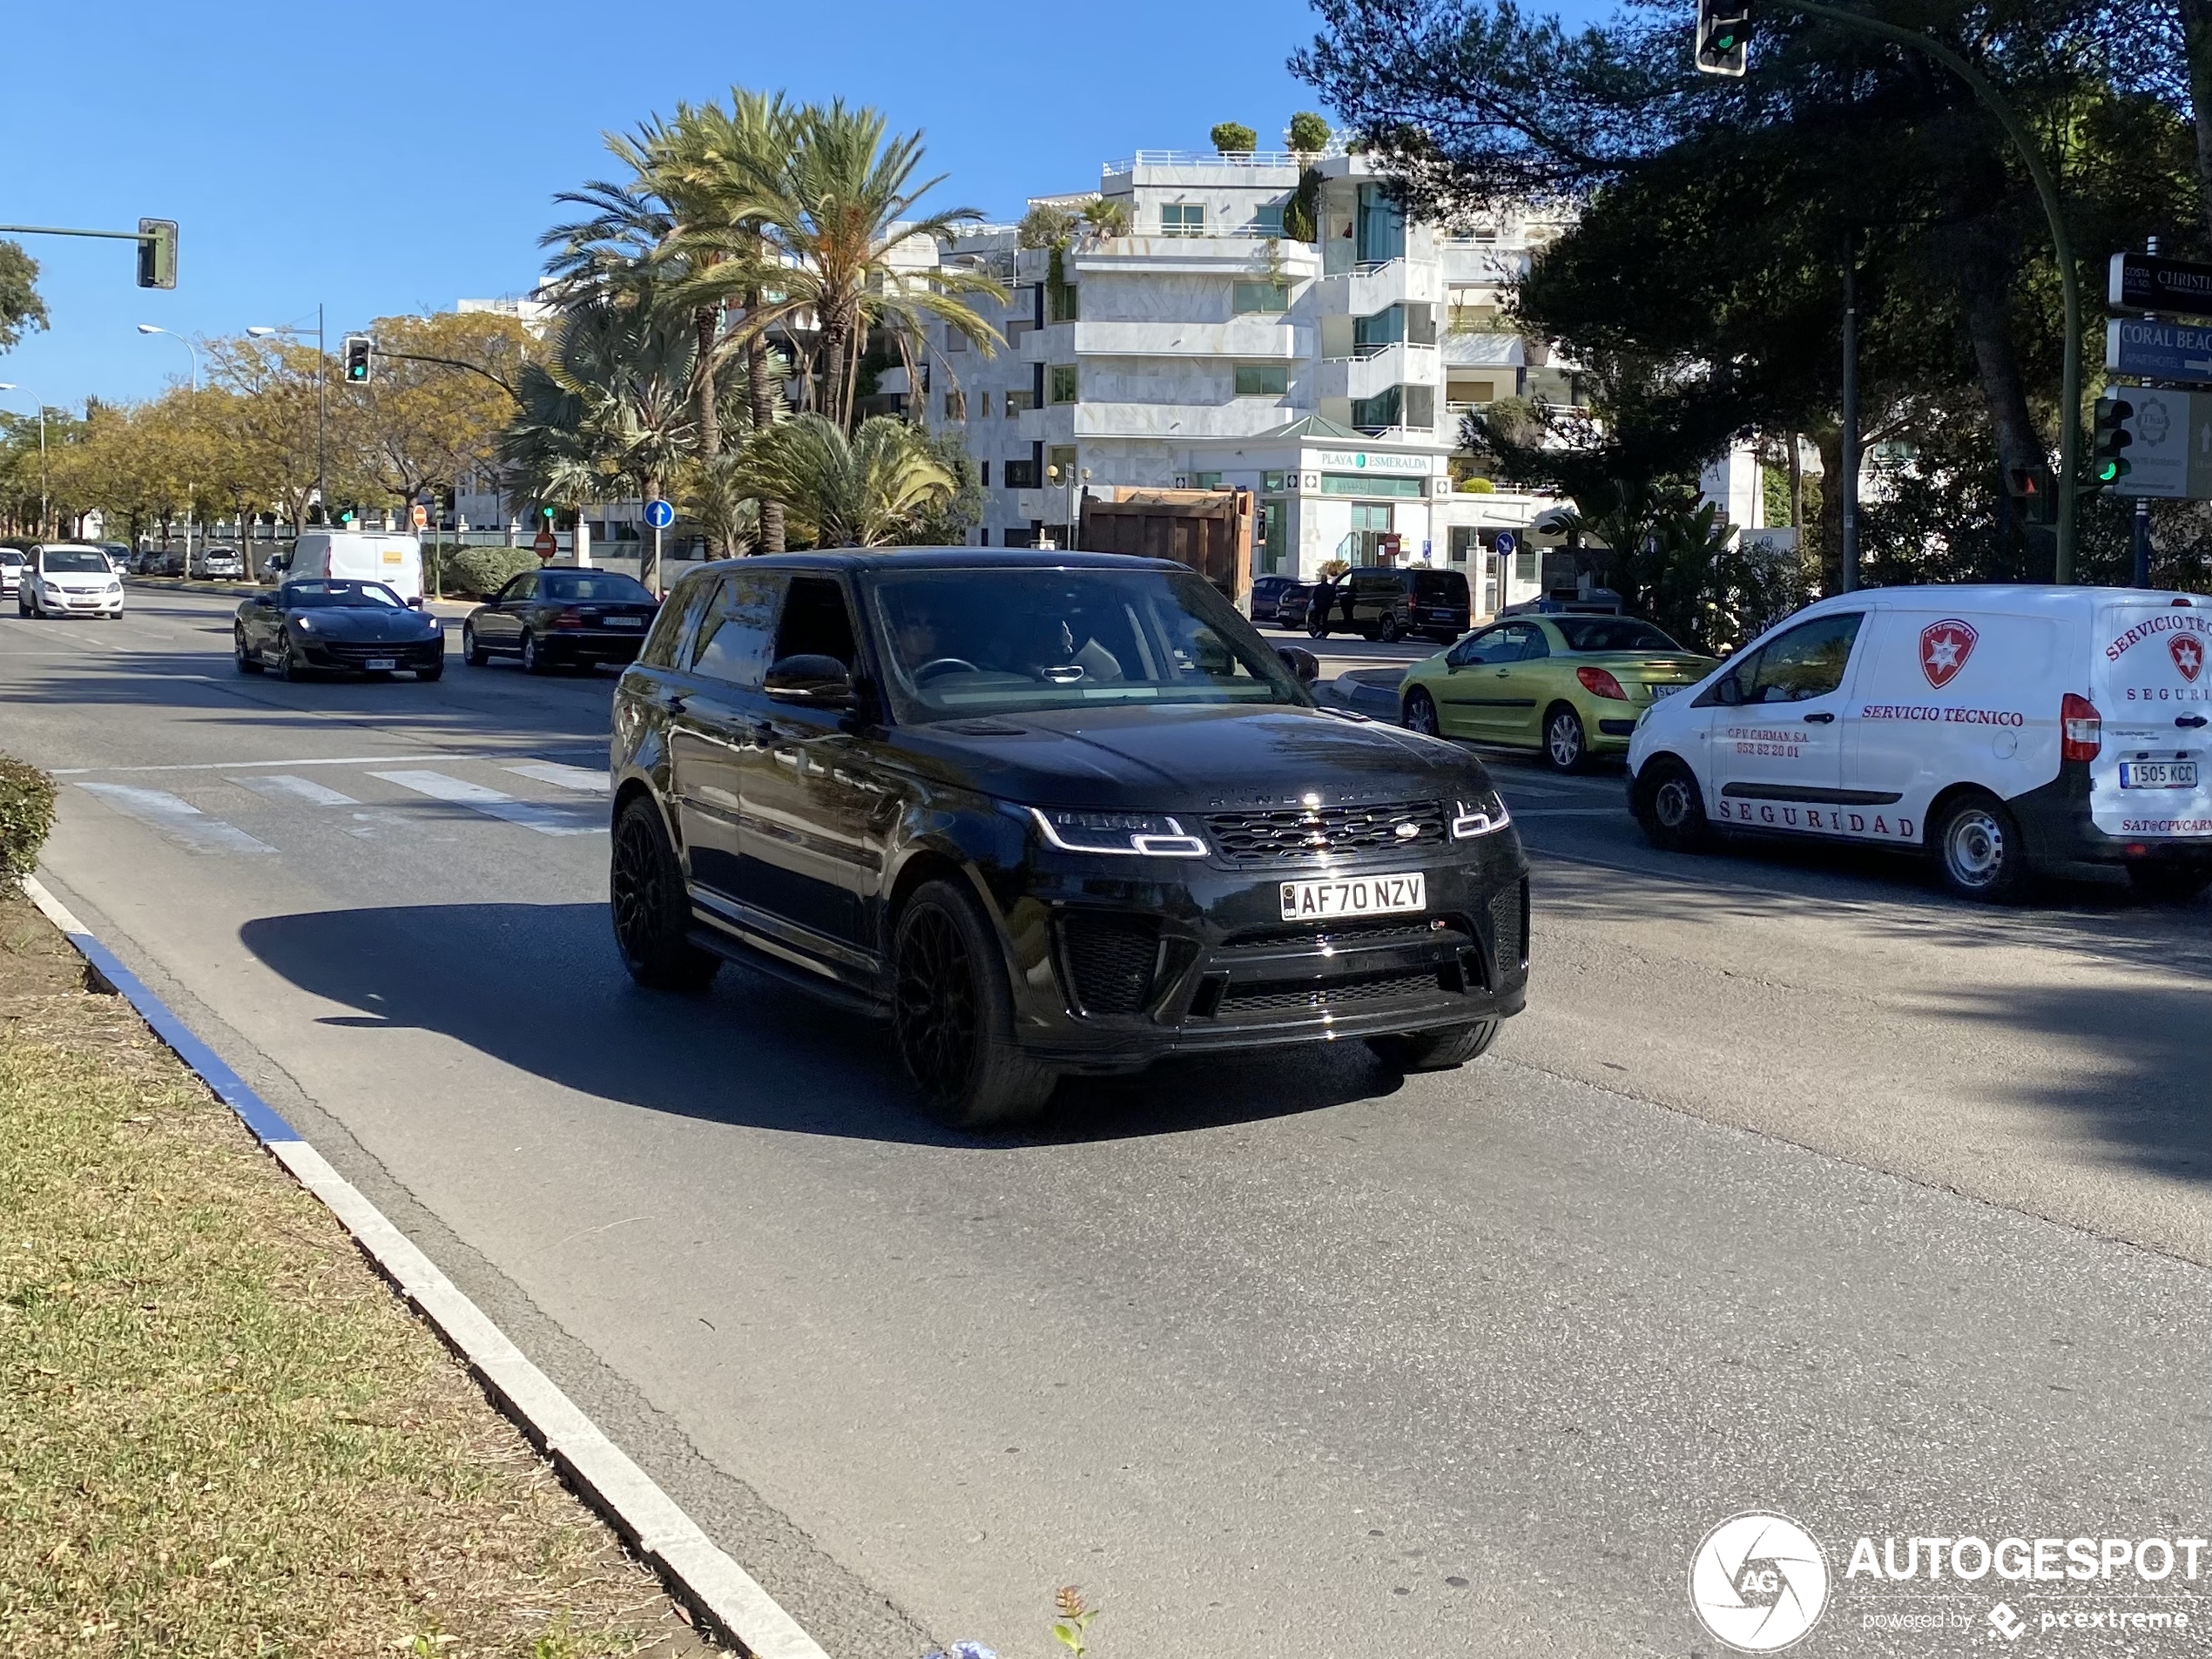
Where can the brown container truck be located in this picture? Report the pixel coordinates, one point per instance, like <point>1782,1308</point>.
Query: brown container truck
<point>1210,531</point>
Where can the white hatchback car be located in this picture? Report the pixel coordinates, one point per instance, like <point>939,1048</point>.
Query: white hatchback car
<point>69,579</point>
<point>2002,730</point>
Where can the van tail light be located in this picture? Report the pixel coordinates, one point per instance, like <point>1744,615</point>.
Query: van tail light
<point>2082,729</point>
<point>570,618</point>
<point>1599,682</point>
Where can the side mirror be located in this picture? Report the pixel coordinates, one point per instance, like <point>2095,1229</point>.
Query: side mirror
<point>415,604</point>
<point>818,682</point>
<point>1301,662</point>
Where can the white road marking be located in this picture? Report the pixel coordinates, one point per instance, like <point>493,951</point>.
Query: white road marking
<point>583,780</point>
<point>546,820</point>
<point>241,766</point>
<point>175,820</point>
<point>283,786</point>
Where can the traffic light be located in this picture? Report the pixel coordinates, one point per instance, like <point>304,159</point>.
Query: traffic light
<point>2034,489</point>
<point>1724,37</point>
<point>2108,457</point>
<point>359,351</point>
<point>346,516</point>
<point>157,252</point>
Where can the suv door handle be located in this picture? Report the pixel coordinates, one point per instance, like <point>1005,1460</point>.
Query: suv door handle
<point>2188,719</point>
<point>1823,718</point>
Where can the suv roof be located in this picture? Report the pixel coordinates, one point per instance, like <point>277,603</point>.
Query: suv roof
<point>942,558</point>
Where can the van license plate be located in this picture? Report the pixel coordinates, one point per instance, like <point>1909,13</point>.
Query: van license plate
<point>1367,895</point>
<point>2158,774</point>
<point>375,663</point>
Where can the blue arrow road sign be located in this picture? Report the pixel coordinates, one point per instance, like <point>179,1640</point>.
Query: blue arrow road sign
<point>1507,543</point>
<point>659,513</point>
<point>2159,351</point>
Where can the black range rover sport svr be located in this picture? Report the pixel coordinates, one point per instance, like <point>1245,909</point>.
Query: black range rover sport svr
<point>1046,812</point>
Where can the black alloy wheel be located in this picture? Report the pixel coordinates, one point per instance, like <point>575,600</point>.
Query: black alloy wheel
<point>651,910</point>
<point>1420,714</point>
<point>1670,806</point>
<point>471,653</point>
<point>1438,1050</point>
<point>953,1016</point>
<point>1566,745</point>
<point>1390,633</point>
<point>287,666</point>
<point>248,662</point>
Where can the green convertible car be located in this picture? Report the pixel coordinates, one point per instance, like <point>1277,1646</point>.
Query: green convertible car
<point>1568,686</point>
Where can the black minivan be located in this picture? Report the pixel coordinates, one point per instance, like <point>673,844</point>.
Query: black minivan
<point>1047,814</point>
<point>1389,604</point>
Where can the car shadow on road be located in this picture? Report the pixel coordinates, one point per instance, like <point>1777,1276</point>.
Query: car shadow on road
<point>539,988</point>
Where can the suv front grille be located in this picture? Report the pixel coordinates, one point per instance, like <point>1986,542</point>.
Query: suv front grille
<point>1294,834</point>
<point>1420,983</point>
<point>1112,960</point>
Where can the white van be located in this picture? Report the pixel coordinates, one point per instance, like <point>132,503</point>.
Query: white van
<point>2003,729</point>
<point>361,555</point>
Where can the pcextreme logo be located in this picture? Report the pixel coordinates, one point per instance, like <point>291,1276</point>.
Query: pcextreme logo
<point>1758,1582</point>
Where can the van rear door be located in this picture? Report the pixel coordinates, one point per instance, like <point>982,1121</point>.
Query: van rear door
<point>2151,780</point>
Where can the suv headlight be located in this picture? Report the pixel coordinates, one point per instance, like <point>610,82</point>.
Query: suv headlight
<point>1484,814</point>
<point>1135,834</point>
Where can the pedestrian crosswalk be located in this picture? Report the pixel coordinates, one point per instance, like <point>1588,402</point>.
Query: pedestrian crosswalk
<point>192,807</point>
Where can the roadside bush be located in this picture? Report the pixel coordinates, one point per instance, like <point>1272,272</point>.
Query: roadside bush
<point>473,572</point>
<point>26,814</point>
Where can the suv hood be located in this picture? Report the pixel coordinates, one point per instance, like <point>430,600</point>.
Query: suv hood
<point>1192,759</point>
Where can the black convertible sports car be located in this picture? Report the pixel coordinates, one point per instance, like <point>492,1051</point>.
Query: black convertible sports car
<point>1046,812</point>
<point>352,627</point>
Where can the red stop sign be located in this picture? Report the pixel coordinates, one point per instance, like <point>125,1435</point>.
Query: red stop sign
<point>545,546</point>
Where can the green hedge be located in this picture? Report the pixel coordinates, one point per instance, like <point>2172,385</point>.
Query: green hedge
<point>26,814</point>
<point>473,572</point>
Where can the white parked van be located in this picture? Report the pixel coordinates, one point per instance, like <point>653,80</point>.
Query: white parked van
<point>2002,729</point>
<point>361,555</point>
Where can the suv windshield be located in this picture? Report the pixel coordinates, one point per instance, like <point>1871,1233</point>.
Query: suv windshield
<point>574,585</point>
<point>317,596</point>
<point>1004,642</point>
<point>73,561</point>
<point>1611,633</point>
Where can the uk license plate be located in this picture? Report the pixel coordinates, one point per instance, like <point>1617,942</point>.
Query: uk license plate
<point>2158,774</point>
<point>1362,895</point>
<point>374,663</point>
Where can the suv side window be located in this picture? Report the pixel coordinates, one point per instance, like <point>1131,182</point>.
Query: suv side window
<point>733,636</point>
<point>816,622</point>
<point>677,613</point>
<point>1806,663</point>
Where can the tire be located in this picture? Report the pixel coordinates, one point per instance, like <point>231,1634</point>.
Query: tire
<point>1567,746</point>
<point>1420,714</point>
<point>650,908</point>
<point>1390,633</point>
<point>1441,1051</point>
<point>533,660</point>
<point>1978,848</point>
<point>1670,806</point>
<point>953,1016</point>
<point>2169,883</point>
<point>471,653</point>
<point>247,662</point>
<point>427,674</point>
<point>289,666</point>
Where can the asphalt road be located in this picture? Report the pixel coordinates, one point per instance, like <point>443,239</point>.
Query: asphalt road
<point>1799,1186</point>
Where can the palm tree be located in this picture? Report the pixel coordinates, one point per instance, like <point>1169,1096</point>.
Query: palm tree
<point>840,207</point>
<point>866,490</point>
<point>716,500</point>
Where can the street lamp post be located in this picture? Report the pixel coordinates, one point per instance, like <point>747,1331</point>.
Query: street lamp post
<point>322,408</point>
<point>152,329</point>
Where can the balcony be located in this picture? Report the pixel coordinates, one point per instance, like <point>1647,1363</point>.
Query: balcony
<point>1260,336</point>
<point>1374,369</point>
<point>1366,289</point>
<point>1244,417</point>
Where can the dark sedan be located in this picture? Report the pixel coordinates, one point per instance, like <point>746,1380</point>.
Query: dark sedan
<point>336,627</point>
<point>1047,814</point>
<point>1267,592</point>
<point>559,619</point>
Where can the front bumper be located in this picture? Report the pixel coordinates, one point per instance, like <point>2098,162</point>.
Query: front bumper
<point>80,605</point>
<point>1114,971</point>
<point>352,657</point>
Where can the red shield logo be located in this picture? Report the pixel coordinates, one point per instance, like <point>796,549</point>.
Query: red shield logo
<point>2188,651</point>
<point>1945,647</point>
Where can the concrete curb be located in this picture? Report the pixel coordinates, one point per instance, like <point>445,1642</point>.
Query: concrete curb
<point>728,1599</point>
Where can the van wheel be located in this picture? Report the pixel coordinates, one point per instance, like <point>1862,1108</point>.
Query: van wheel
<point>1390,633</point>
<point>1979,845</point>
<point>1420,714</point>
<point>1441,1051</point>
<point>2169,883</point>
<point>651,910</point>
<point>1566,746</point>
<point>1670,806</point>
<point>953,1016</point>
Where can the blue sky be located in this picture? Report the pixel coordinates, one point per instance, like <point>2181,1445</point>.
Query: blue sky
<point>394,156</point>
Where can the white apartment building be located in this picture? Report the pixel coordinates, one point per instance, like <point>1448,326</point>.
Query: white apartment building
<point>1206,348</point>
